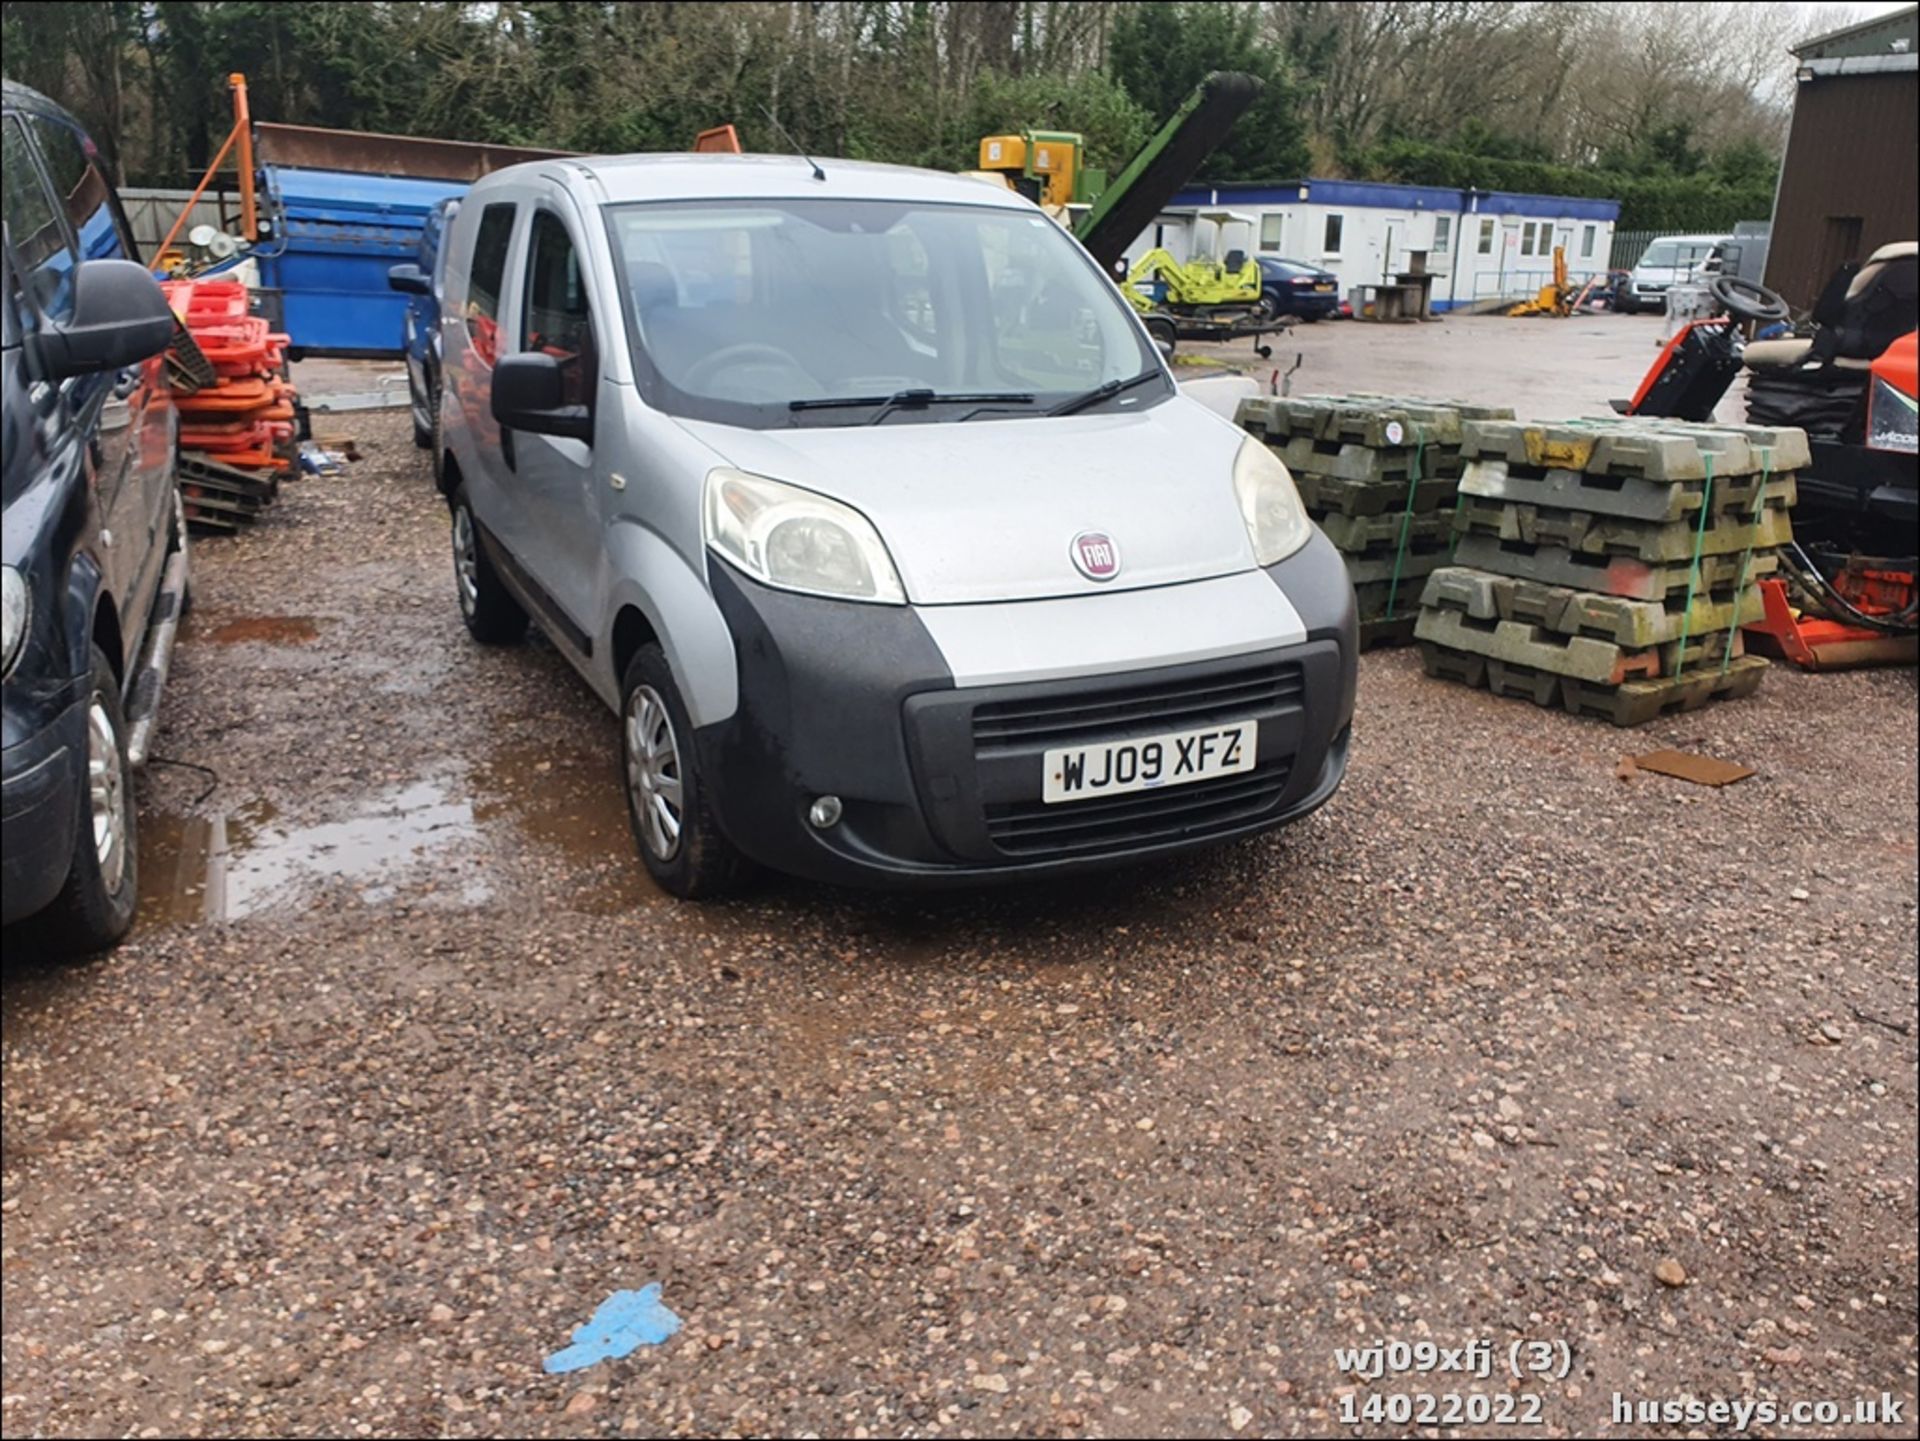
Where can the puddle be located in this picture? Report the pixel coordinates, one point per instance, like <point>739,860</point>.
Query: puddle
<point>232,863</point>
<point>566,808</point>
<point>568,805</point>
<point>266,630</point>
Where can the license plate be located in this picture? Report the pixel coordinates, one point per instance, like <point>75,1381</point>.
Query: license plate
<point>1323,287</point>
<point>1080,773</point>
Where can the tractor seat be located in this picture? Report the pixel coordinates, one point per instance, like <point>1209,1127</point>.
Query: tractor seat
<point>1767,354</point>
<point>1855,319</point>
<point>1792,350</point>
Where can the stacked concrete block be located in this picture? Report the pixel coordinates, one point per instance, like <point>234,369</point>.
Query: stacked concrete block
<point>1378,474</point>
<point>1607,565</point>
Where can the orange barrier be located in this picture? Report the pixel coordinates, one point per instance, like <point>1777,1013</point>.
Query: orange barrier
<point>245,419</point>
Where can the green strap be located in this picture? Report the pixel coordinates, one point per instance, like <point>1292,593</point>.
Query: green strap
<point>1693,573</point>
<point>1746,556</point>
<point>1406,520</point>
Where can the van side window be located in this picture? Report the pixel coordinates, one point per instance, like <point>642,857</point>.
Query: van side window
<point>558,320</point>
<point>83,192</point>
<point>33,225</point>
<point>485,280</point>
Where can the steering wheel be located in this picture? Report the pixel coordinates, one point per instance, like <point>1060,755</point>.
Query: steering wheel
<point>1748,300</point>
<point>704,371</point>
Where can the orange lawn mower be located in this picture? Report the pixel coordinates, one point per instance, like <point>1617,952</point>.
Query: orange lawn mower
<point>1850,596</point>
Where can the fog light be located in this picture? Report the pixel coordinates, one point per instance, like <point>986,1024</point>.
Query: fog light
<point>824,812</point>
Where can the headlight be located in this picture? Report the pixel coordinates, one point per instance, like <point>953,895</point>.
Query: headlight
<point>13,616</point>
<point>797,540</point>
<point>1276,521</point>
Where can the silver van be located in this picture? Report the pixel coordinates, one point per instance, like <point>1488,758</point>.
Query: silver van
<point>863,497</point>
<point>1669,261</point>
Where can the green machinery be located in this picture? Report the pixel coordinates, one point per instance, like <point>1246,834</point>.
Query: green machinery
<point>1197,294</point>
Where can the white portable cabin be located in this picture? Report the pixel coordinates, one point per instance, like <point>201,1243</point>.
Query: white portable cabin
<point>1480,245</point>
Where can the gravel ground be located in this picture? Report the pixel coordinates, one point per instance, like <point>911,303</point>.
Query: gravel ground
<point>1546,369</point>
<point>1483,1050</point>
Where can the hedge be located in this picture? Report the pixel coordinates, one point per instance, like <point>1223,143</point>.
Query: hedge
<point>1647,202</point>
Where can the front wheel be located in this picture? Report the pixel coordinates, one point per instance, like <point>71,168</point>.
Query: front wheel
<point>680,842</point>
<point>492,615</point>
<point>94,909</point>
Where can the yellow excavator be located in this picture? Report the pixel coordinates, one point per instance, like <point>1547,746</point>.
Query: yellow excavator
<point>1557,297</point>
<point>1231,278</point>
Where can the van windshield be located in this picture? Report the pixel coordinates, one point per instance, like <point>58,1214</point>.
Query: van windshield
<point>738,309</point>
<point>1676,254</point>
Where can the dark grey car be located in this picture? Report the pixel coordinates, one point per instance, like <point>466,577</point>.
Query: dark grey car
<point>94,552</point>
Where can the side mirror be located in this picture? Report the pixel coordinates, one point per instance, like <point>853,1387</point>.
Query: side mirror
<point>1164,347</point>
<point>408,278</point>
<point>527,395</point>
<point>120,317</point>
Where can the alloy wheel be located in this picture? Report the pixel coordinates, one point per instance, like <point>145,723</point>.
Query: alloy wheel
<point>466,560</point>
<point>106,797</point>
<point>653,772</point>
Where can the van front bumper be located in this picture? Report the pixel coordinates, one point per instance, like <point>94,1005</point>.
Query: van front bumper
<point>940,785</point>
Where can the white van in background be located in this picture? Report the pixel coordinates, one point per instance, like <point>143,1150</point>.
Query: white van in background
<point>1670,260</point>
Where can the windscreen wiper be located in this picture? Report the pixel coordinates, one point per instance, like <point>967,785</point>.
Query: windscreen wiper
<point>901,399</point>
<point>1106,390</point>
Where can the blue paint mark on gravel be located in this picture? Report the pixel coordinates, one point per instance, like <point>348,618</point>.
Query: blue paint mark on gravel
<point>624,1322</point>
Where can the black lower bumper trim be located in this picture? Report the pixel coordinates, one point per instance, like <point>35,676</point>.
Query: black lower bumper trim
<point>855,701</point>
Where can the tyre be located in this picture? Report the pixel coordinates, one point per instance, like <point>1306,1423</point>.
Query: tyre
<point>680,842</point>
<point>492,615</point>
<point>437,443</point>
<point>95,907</point>
<point>421,408</point>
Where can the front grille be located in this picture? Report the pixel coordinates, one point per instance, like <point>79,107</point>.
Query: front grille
<point>1028,828</point>
<point>1162,705</point>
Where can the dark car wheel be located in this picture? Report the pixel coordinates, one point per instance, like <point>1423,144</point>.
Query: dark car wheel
<point>95,907</point>
<point>673,823</point>
<point>492,615</point>
<point>422,408</point>
<point>437,443</point>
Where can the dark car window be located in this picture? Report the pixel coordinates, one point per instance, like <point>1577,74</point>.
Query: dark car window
<point>486,278</point>
<point>33,226</point>
<point>558,319</point>
<point>82,190</point>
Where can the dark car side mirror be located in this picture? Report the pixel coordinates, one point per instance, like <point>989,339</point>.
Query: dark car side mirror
<point>409,278</point>
<point>527,395</point>
<point>120,317</point>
